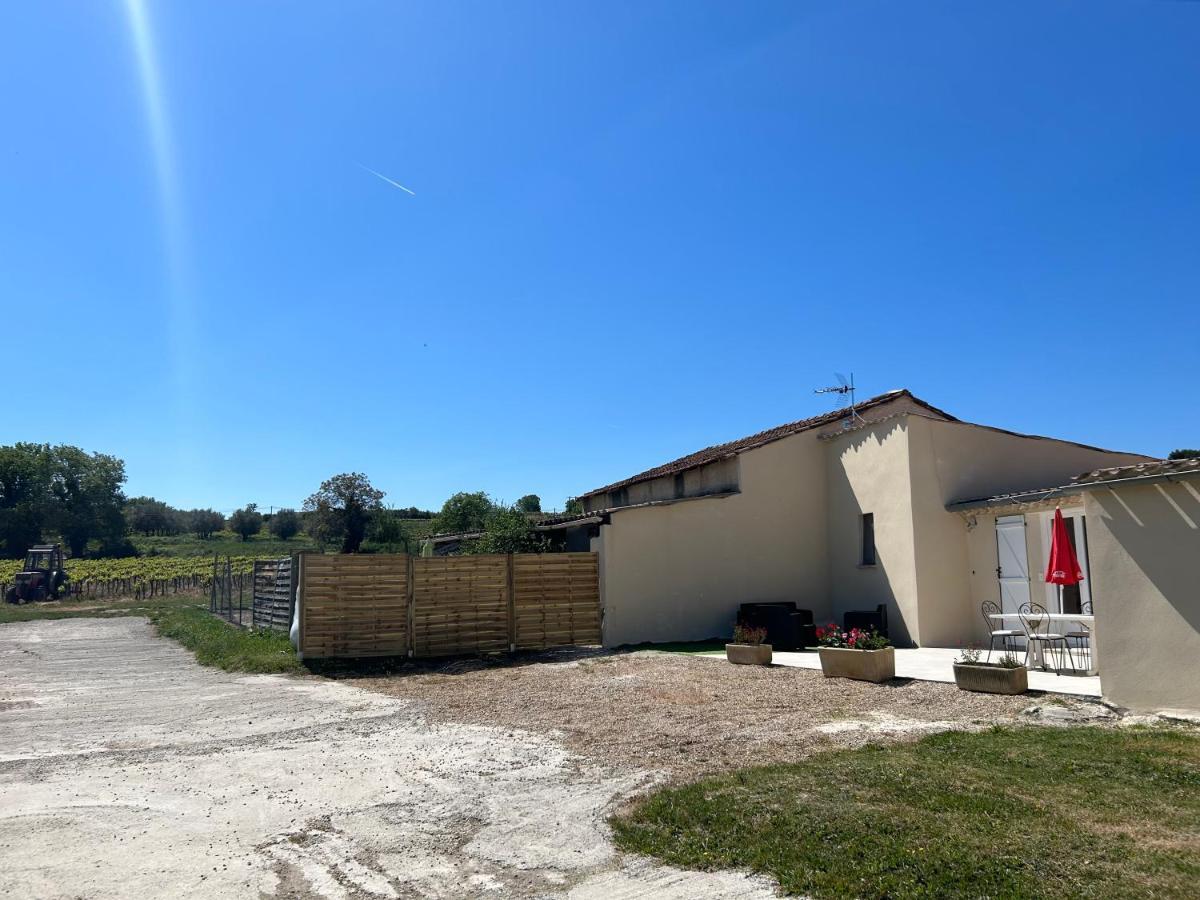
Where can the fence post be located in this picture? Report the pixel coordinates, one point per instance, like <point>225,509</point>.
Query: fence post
<point>512,607</point>
<point>293,589</point>
<point>410,616</point>
<point>298,599</point>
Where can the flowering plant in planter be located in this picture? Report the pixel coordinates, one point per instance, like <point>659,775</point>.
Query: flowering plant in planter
<point>859,653</point>
<point>854,639</point>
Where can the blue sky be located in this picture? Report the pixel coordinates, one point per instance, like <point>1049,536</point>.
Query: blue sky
<point>637,229</point>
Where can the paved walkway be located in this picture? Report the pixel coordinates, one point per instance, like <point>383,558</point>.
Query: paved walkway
<point>127,770</point>
<point>937,664</point>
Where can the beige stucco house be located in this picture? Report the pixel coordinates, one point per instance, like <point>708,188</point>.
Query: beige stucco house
<point>1144,534</point>
<point>897,502</point>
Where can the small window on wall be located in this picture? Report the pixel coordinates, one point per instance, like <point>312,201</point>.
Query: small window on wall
<point>868,540</point>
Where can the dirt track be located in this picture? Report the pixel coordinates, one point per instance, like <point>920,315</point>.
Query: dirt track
<point>128,770</point>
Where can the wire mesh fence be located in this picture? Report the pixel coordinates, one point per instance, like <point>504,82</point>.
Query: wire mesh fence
<point>231,594</point>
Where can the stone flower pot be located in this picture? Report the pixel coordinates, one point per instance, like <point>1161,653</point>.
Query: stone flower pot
<point>863,665</point>
<point>748,654</point>
<point>988,679</point>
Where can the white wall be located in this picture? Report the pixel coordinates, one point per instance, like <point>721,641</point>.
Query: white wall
<point>678,571</point>
<point>1144,543</point>
<point>868,472</point>
<point>955,461</point>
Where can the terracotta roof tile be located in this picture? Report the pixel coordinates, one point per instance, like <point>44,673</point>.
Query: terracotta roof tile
<point>1142,470</point>
<point>732,448</point>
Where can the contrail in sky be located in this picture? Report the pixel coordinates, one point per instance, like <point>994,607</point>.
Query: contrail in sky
<point>388,180</point>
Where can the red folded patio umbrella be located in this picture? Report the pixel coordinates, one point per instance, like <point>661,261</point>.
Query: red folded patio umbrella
<point>1063,567</point>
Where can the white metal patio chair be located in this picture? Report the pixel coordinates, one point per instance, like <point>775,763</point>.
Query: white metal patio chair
<point>1036,622</point>
<point>1007,636</point>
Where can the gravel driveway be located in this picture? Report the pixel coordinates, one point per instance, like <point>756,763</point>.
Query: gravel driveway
<point>687,716</point>
<point>127,770</point>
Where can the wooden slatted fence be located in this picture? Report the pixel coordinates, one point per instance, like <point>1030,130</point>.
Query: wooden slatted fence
<point>353,605</point>
<point>398,605</point>
<point>556,599</point>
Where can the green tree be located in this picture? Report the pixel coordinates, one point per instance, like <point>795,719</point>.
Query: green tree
<point>1184,454</point>
<point>247,521</point>
<point>465,512</point>
<point>25,477</point>
<point>63,490</point>
<point>574,505</point>
<point>387,529</point>
<point>150,516</point>
<point>323,525</point>
<point>508,531</point>
<point>204,523</point>
<point>285,524</point>
<point>87,499</point>
<point>530,503</point>
<point>343,507</point>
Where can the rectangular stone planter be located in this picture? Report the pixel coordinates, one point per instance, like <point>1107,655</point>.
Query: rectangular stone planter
<point>748,654</point>
<point>991,679</point>
<point>863,665</point>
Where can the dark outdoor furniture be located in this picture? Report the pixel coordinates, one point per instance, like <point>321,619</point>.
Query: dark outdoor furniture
<point>788,628</point>
<point>867,619</point>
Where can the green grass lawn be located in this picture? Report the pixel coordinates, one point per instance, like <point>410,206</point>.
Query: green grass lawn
<point>1013,813</point>
<point>186,619</point>
<point>217,643</point>
<point>713,645</point>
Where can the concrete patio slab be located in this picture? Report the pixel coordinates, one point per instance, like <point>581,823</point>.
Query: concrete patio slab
<point>937,664</point>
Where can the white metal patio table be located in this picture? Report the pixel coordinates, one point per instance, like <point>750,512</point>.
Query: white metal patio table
<point>1089,621</point>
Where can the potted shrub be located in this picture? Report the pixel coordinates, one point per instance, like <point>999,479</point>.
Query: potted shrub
<point>747,648</point>
<point>859,653</point>
<point>1008,676</point>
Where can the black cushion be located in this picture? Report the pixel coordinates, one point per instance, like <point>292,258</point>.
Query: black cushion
<point>787,628</point>
<point>876,618</point>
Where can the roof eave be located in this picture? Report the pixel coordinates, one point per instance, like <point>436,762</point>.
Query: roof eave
<point>1139,479</point>
<point>1017,499</point>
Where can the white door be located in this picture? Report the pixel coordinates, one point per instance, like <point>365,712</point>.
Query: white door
<point>1013,567</point>
<point>1071,598</point>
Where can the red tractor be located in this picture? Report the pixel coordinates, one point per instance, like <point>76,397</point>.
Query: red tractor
<point>44,575</point>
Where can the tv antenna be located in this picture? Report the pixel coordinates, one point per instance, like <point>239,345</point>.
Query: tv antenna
<point>844,388</point>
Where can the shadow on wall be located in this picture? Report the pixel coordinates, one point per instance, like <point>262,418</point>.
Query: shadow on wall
<point>861,480</point>
<point>1159,527</point>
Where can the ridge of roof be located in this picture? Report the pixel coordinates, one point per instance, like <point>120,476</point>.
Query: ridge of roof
<point>732,448</point>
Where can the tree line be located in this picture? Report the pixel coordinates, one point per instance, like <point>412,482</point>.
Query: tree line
<point>64,490</point>
<point>67,493</point>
